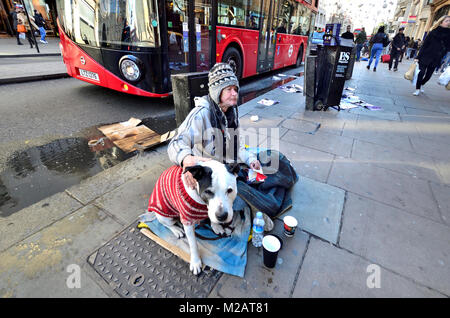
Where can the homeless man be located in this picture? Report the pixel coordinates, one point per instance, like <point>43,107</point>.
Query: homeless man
<point>210,131</point>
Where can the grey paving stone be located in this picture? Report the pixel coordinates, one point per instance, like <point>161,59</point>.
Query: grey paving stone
<point>393,188</point>
<point>262,122</point>
<point>330,272</point>
<point>383,132</point>
<point>442,194</point>
<point>431,148</point>
<point>130,200</point>
<point>317,207</point>
<point>37,266</point>
<point>28,221</point>
<point>409,163</point>
<point>112,178</point>
<point>409,245</point>
<point>262,282</point>
<point>308,162</point>
<point>338,145</point>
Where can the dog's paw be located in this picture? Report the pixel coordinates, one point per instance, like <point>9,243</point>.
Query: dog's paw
<point>195,265</point>
<point>217,228</point>
<point>228,231</point>
<point>178,232</point>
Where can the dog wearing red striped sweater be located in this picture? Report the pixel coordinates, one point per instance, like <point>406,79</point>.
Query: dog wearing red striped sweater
<point>213,198</point>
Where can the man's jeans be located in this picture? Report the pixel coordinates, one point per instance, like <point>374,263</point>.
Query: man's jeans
<point>358,51</point>
<point>43,33</point>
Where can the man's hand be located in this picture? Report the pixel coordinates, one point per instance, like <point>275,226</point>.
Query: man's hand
<point>255,165</point>
<point>190,161</point>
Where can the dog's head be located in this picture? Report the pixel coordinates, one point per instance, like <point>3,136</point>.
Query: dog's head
<point>217,187</point>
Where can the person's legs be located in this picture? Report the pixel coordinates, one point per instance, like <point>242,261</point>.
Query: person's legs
<point>428,75</point>
<point>358,51</point>
<point>43,34</point>
<point>378,54</point>
<point>397,59</point>
<point>29,38</point>
<point>391,59</point>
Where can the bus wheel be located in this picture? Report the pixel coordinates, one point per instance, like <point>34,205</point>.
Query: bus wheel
<point>233,57</point>
<point>299,57</point>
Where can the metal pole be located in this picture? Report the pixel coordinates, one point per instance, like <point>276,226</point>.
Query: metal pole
<point>31,27</point>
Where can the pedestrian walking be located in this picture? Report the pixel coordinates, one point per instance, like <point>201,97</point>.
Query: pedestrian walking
<point>40,22</point>
<point>405,44</point>
<point>22,19</point>
<point>14,13</point>
<point>379,41</point>
<point>360,40</point>
<point>397,46</point>
<point>348,35</point>
<point>409,46</point>
<point>434,48</point>
<point>416,46</point>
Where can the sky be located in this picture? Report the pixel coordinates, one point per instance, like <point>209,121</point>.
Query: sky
<point>367,13</point>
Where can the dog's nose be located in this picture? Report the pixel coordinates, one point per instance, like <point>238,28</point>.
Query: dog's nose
<point>221,215</point>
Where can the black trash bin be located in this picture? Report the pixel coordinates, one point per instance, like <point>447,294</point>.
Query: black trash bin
<point>330,72</point>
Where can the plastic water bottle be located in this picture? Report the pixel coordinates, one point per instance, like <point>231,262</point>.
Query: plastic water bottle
<point>258,230</point>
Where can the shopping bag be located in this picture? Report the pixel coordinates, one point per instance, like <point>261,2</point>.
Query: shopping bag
<point>416,74</point>
<point>444,79</point>
<point>21,28</point>
<point>22,36</point>
<point>409,75</point>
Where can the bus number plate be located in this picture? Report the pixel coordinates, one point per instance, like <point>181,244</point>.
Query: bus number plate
<point>88,74</point>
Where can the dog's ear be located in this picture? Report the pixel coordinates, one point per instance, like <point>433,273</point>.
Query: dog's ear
<point>233,168</point>
<point>198,172</point>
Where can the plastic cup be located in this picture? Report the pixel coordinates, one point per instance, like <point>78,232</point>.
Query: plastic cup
<point>290,224</point>
<point>271,246</point>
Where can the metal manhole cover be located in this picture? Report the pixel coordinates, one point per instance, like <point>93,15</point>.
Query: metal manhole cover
<point>135,266</point>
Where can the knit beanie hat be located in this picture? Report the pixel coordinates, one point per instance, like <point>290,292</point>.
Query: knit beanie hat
<point>220,76</point>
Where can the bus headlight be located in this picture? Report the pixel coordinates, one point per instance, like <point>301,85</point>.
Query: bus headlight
<point>131,68</point>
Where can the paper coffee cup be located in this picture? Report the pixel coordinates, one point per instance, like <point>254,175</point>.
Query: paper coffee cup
<point>271,246</point>
<point>290,224</point>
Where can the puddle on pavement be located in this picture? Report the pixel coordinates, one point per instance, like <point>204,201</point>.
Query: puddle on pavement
<point>38,172</point>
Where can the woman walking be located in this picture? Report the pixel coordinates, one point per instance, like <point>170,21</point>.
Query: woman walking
<point>435,46</point>
<point>379,40</point>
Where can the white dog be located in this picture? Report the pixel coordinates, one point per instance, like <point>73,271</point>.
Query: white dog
<point>213,198</point>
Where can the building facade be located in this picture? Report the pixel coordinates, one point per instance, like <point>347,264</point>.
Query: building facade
<point>419,16</point>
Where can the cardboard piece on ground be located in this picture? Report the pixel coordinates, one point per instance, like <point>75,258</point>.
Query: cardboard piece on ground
<point>129,137</point>
<point>171,248</point>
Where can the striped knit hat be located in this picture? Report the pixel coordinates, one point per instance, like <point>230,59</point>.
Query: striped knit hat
<point>220,76</point>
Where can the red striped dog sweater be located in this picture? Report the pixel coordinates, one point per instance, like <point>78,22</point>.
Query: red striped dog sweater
<point>170,199</point>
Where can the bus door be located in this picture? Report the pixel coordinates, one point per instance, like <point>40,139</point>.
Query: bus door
<point>188,35</point>
<point>267,36</point>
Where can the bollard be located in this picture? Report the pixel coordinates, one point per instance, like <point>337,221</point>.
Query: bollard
<point>310,81</point>
<point>185,87</point>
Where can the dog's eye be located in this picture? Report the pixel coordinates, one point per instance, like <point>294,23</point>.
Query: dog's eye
<point>209,192</point>
<point>229,191</point>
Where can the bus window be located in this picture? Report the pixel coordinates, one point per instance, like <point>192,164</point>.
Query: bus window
<point>239,13</point>
<point>120,24</point>
<point>284,16</point>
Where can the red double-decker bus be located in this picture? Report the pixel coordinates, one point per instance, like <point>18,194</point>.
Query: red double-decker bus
<point>134,46</point>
